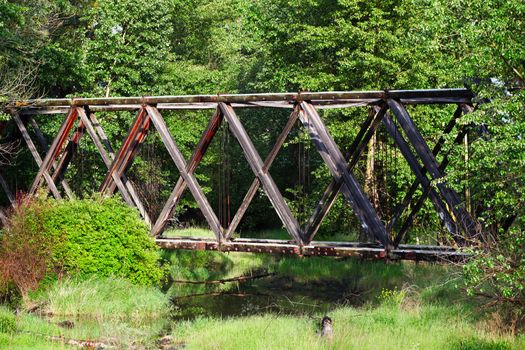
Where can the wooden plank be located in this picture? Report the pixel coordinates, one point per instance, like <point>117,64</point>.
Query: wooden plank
<point>416,139</point>
<point>25,135</point>
<point>257,165</point>
<point>188,177</point>
<point>43,144</point>
<point>337,165</point>
<point>198,154</point>
<point>54,149</point>
<point>266,166</point>
<point>366,132</point>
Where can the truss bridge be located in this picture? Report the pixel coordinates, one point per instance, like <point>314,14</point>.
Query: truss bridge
<point>386,109</point>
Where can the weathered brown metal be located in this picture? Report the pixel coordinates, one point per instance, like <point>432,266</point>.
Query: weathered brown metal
<point>411,159</point>
<point>338,166</point>
<point>435,151</point>
<point>67,156</point>
<point>330,194</point>
<point>188,177</point>
<point>426,190</point>
<point>320,104</point>
<point>427,96</point>
<point>306,104</point>
<point>25,135</point>
<point>3,218</point>
<point>463,218</point>
<point>332,249</point>
<point>257,166</point>
<point>43,144</point>
<point>54,149</point>
<point>266,166</point>
<point>125,187</point>
<point>124,152</point>
<point>194,161</point>
<point>7,190</point>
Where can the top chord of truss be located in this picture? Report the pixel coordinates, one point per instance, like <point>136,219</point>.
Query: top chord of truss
<point>334,99</point>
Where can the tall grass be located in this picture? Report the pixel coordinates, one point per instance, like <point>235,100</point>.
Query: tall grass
<point>104,299</point>
<point>109,310</point>
<point>384,327</point>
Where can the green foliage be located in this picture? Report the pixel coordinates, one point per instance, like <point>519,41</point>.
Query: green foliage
<point>498,274</point>
<point>104,299</point>
<point>104,237</point>
<point>129,42</point>
<point>425,327</point>
<point>26,250</point>
<point>95,236</point>
<point>7,321</point>
<point>392,297</point>
<point>475,343</point>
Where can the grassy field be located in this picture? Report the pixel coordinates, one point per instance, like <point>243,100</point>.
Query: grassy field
<point>374,305</point>
<point>381,327</point>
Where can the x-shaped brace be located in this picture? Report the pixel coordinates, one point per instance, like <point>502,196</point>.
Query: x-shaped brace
<point>53,152</point>
<point>364,135</point>
<point>338,166</point>
<point>460,215</point>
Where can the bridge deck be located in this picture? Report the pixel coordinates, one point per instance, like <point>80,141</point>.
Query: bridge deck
<point>317,248</point>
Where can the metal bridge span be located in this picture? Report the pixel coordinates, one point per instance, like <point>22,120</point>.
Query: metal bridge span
<point>387,108</point>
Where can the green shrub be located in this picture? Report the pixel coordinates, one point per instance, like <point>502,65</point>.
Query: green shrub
<point>103,237</point>
<point>25,248</point>
<point>7,321</point>
<point>95,236</point>
<point>497,273</point>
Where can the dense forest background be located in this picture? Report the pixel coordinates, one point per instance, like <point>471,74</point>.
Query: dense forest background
<point>131,48</point>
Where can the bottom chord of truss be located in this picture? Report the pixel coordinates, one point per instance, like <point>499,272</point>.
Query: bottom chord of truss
<point>317,248</point>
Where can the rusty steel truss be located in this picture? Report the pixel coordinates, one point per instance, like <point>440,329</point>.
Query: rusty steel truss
<point>386,108</point>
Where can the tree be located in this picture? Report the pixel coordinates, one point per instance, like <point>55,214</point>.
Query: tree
<point>127,47</point>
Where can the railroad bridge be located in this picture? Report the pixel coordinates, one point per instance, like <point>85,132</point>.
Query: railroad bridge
<point>387,108</point>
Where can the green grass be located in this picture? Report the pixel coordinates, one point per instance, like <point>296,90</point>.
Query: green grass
<point>397,306</point>
<point>206,233</point>
<point>189,232</point>
<point>103,299</point>
<point>384,327</point>
<point>110,310</point>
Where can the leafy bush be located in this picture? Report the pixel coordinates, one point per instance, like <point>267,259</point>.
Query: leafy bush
<point>7,321</point>
<point>25,249</point>
<point>95,236</point>
<point>498,274</point>
<point>105,237</point>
